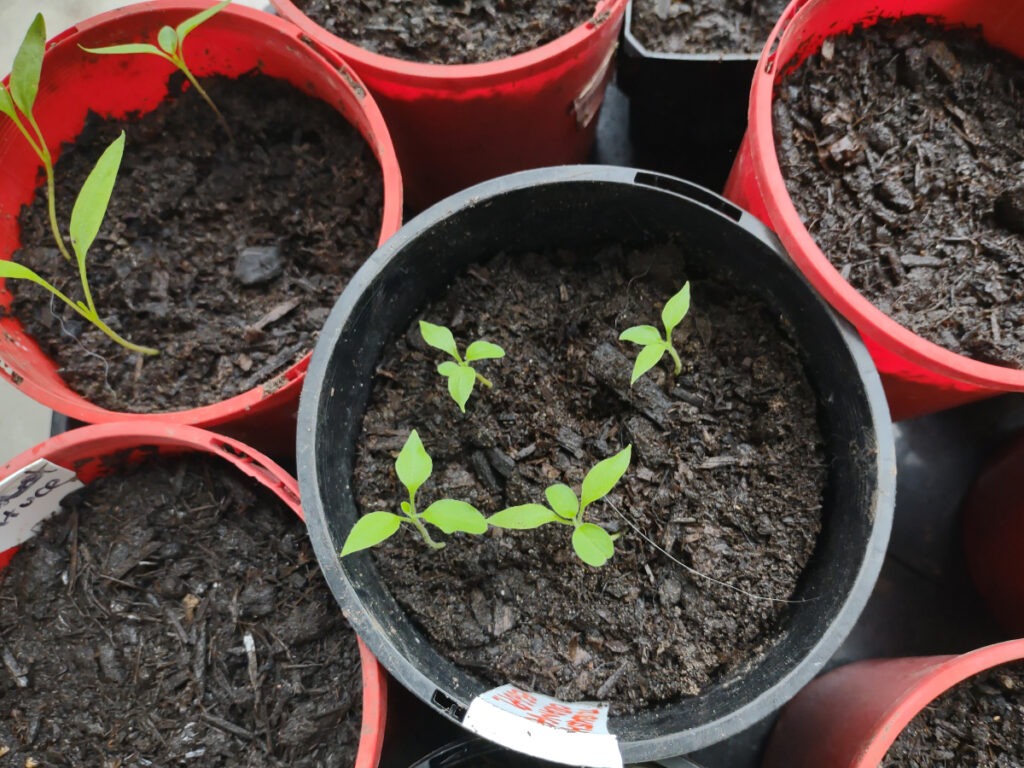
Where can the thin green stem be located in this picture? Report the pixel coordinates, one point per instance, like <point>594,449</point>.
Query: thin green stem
<point>180,63</point>
<point>414,518</point>
<point>675,358</point>
<point>93,318</point>
<point>51,189</point>
<point>482,380</point>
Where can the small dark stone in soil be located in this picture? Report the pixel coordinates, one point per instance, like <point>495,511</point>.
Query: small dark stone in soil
<point>258,264</point>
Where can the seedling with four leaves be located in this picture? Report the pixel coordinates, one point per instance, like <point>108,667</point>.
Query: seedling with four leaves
<point>413,467</point>
<point>592,543</point>
<point>654,345</point>
<point>171,41</point>
<point>460,374</point>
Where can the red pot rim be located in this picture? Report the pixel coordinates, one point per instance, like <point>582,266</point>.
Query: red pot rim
<point>286,385</point>
<point>79,449</point>
<point>939,674</point>
<point>786,222</point>
<point>447,75</point>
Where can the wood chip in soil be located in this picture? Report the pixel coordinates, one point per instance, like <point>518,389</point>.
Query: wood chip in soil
<point>174,614</point>
<point>902,146</point>
<point>449,31</point>
<point>226,257</point>
<point>727,476</point>
<point>979,722</point>
<point>705,26</point>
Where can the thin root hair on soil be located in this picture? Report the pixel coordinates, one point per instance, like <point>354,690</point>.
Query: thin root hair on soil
<point>694,571</point>
<point>85,349</point>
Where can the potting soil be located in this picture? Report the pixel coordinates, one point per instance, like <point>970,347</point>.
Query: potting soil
<point>705,26</point>
<point>449,31</point>
<point>225,256</point>
<point>902,146</point>
<point>174,614</point>
<point>726,478</point>
<point>979,722</point>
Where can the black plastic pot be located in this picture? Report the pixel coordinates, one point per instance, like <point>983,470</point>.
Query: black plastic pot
<point>574,207</point>
<point>477,753</point>
<point>687,111</point>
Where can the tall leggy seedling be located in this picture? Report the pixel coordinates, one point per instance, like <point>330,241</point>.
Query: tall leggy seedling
<point>414,467</point>
<point>171,40</point>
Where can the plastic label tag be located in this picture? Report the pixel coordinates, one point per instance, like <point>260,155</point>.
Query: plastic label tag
<point>573,733</point>
<point>29,496</point>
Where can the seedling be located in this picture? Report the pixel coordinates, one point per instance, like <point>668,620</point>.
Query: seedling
<point>171,41</point>
<point>592,543</point>
<point>86,217</point>
<point>17,101</point>
<point>460,374</point>
<point>650,338</point>
<point>414,466</point>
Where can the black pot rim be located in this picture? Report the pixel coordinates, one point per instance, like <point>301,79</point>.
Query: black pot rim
<point>882,474</point>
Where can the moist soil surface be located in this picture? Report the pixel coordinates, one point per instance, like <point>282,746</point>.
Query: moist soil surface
<point>128,623</point>
<point>902,146</point>
<point>449,31</point>
<point>224,256</point>
<point>726,477</point>
<point>705,26</point>
<point>979,722</point>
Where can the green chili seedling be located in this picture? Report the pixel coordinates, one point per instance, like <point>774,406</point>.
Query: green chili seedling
<point>460,374</point>
<point>171,41</point>
<point>17,101</point>
<point>414,466</point>
<point>86,217</point>
<point>649,337</point>
<point>592,543</point>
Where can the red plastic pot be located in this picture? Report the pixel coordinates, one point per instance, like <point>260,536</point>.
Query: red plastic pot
<point>994,535</point>
<point>919,377</point>
<point>233,42</point>
<point>454,126</point>
<point>850,717</point>
<point>97,450</point>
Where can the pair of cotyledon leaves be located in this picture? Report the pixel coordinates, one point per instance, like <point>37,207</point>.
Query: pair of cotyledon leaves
<point>462,377</point>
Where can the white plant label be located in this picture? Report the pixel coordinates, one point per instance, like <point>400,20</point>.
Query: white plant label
<point>574,733</point>
<point>29,496</point>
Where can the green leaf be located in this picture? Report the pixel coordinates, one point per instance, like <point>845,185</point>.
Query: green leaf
<point>91,205</point>
<point>641,334</point>
<point>10,270</point>
<point>523,517</point>
<point>647,359</point>
<point>369,530</point>
<point>593,544</point>
<point>603,477</point>
<point>449,368</point>
<point>563,500</point>
<point>675,309</point>
<point>460,385</point>
<point>483,350</point>
<point>127,48</point>
<point>6,103</point>
<point>28,64</point>
<point>439,337</point>
<point>450,516</point>
<point>168,40</point>
<point>413,464</point>
<point>194,21</point>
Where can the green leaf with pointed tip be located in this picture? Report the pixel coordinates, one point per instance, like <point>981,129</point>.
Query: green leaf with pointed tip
<point>675,309</point>
<point>439,337</point>
<point>483,350</point>
<point>593,544</point>
<point>451,515</point>
<point>641,334</point>
<point>523,518</point>
<point>91,205</point>
<point>647,359</point>
<point>6,103</point>
<point>369,530</point>
<point>168,40</point>
<point>10,270</point>
<point>28,64</point>
<point>603,477</point>
<point>194,21</point>
<point>413,464</point>
<point>460,385</point>
<point>563,500</point>
<point>127,48</point>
